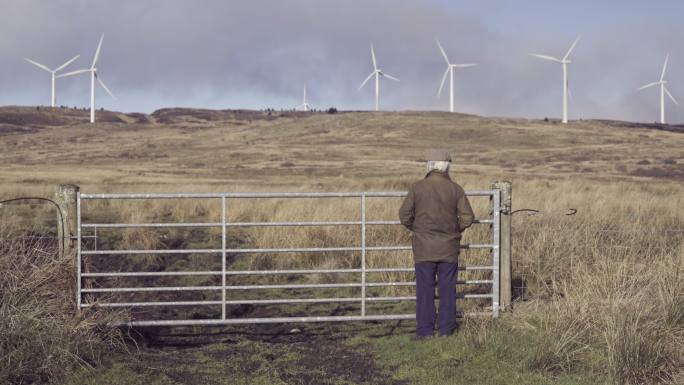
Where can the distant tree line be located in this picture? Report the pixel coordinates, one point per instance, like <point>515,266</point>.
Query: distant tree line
<point>331,110</point>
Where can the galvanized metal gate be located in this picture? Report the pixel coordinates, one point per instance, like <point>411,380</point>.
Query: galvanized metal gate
<point>88,287</point>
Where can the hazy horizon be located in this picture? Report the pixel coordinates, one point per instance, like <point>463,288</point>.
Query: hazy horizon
<point>256,55</point>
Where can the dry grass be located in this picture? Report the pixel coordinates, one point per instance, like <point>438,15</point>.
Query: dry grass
<point>607,282</point>
<point>41,337</point>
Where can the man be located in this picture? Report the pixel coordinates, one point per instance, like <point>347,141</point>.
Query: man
<point>437,211</point>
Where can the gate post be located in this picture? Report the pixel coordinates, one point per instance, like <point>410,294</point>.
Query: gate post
<point>65,196</point>
<point>505,296</point>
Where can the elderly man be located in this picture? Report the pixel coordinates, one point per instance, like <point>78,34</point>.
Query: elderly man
<point>437,211</point>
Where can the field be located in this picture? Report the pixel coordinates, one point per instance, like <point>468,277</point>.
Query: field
<point>599,294</point>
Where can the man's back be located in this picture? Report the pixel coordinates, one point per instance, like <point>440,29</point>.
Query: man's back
<point>437,211</point>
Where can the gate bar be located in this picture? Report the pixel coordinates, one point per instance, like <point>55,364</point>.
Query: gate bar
<point>255,287</point>
<point>263,195</point>
<point>79,253</point>
<point>363,254</point>
<point>268,301</point>
<point>264,272</point>
<point>253,224</point>
<point>223,257</point>
<point>283,320</point>
<point>496,232</point>
<point>290,250</point>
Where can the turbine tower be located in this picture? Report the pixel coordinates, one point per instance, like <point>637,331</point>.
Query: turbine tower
<point>449,71</point>
<point>53,73</point>
<point>378,73</point>
<point>93,76</point>
<point>304,106</point>
<point>564,61</point>
<point>663,90</point>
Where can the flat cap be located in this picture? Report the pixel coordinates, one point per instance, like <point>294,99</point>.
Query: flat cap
<point>438,155</point>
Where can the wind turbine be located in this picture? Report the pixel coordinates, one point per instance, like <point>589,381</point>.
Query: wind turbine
<point>564,61</point>
<point>450,72</point>
<point>52,72</point>
<point>305,106</point>
<point>663,90</point>
<point>93,77</point>
<point>378,73</point>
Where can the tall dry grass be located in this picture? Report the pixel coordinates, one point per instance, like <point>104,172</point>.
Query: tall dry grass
<point>41,336</point>
<point>607,281</point>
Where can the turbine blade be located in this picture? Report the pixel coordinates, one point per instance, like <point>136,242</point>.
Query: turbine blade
<point>670,95</point>
<point>463,65</point>
<point>367,79</point>
<point>375,64</point>
<point>662,75</point>
<point>72,73</point>
<point>441,85</point>
<point>389,76</point>
<point>97,52</point>
<point>105,87</point>
<point>571,48</point>
<point>35,63</point>
<point>446,58</point>
<point>648,85</point>
<point>546,57</point>
<point>67,63</point>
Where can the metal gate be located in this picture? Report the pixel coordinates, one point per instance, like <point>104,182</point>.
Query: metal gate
<point>92,293</point>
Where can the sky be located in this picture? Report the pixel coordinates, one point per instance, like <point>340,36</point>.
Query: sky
<point>259,54</point>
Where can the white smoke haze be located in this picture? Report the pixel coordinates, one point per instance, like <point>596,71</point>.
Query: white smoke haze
<point>258,54</point>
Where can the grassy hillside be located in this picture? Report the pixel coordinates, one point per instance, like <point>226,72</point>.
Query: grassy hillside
<point>599,293</point>
<point>180,147</point>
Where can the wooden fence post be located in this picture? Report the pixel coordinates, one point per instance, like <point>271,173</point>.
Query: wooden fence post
<point>505,288</point>
<point>65,196</point>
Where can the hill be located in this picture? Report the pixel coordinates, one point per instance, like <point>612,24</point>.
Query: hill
<point>176,146</point>
<point>598,294</point>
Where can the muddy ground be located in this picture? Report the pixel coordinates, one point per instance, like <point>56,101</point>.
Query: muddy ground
<point>310,353</point>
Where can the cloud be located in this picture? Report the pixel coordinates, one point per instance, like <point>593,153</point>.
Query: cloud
<point>257,54</point>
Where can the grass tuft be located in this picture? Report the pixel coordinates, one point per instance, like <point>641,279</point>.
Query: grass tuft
<point>41,336</point>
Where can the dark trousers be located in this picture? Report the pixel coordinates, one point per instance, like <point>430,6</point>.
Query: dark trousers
<point>425,297</point>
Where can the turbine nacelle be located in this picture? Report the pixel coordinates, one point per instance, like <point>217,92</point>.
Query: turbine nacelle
<point>53,72</point>
<point>377,73</point>
<point>94,77</point>
<point>449,72</point>
<point>663,90</point>
<point>564,61</point>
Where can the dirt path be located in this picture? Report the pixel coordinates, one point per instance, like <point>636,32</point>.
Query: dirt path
<point>269,354</point>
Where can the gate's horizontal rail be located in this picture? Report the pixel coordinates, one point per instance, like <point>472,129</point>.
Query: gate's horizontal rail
<point>263,272</point>
<point>264,195</point>
<point>247,224</point>
<point>290,250</point>
<point>253,287</point>
<point>234,321</point>
<point>269,301</point>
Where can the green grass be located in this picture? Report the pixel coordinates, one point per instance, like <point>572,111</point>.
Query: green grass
<point>505,358</point>
<point>349,353</point>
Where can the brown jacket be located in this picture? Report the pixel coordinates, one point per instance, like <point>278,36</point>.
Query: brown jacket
<point>437,211</point>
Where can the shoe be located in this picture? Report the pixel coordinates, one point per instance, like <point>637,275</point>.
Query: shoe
<point>418,337</point>
<point>440,334</point>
